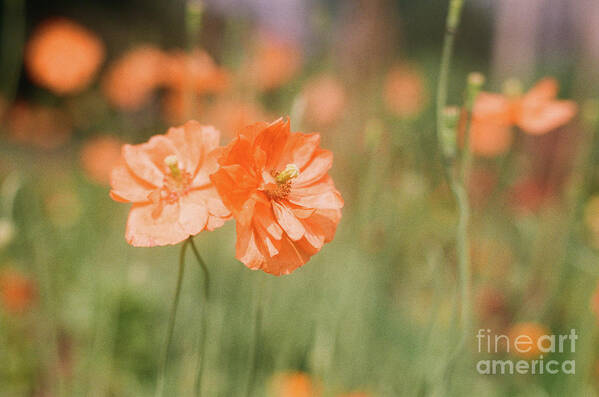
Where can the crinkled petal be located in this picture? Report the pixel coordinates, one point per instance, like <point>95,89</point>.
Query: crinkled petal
<point>287,220</point>
<point>127,187</point>
<point>193,214</point>
<point>318,167</point>
<point>145,230</point>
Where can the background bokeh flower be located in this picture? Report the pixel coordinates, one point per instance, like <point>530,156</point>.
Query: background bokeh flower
<point>63,56</point>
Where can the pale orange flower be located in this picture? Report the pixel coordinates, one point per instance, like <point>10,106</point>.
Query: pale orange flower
<point>63,56</point>
<point>537,112</point>
<point>40,126</point>
<point>276,184</point>
<point>325,100</point>
<point>186,76</point>
<point>17,291</point>
<point>194,71</point>
<point>490,130</point>
<point>524,339</point>
<point>231,115</point>
<point>99,156</point>
<point>404,91</point>
<point>167,180</point>
<point>273,63</point>
<point>130,81</point>
<point>296,384</point>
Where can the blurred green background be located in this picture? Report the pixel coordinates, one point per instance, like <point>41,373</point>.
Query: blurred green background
<point>376,311</point>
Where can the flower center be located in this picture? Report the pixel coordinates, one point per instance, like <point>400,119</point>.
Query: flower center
<point>176,183</point>
<point>283,180</point>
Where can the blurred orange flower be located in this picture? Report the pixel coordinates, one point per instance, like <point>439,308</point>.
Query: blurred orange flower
<point>63,56</point>
<point>231,115</point>
<point>186,75</point>
<point>524,338</point>
<point>195,70</point>
<point>167,180</point>
<point>274,62</point>
<point>99,156</point>
<point>295,384</point>
<point>404,91</point>
<point>536,112</point>
<point>490,130</point>
<point>131,80</point>
<point>17,291</point>
<point>40,126</point>
<point>276,184</point>
<point>325,100</point>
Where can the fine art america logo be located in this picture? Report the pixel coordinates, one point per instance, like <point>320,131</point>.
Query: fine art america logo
<point>526,346</point>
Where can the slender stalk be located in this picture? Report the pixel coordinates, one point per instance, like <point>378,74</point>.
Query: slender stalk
<point>203,326</point>
<point>453,21</point>
<point>204,267</point>
<point>456,179</point>
<point>171,322</point>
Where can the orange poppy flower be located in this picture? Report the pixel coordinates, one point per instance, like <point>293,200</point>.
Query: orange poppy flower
<point>167,180</point>
<point>536,112</point>
<point>325,100</point>
<point>41,126</point>
<point>99,156</point>
<point>273,63</point>
<point>404,92</point>
<point>131,80</point>
<point>17,291</point>
<point>63,56</point>
<point>293,385</point>
<point>490,130</point>
<point>276,184</point>
<point>524,339</point>
<point>195,70</point>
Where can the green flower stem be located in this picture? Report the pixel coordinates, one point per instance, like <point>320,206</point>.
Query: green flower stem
<point>203,326</point>
<point>171,322</point>
<point>456,180</point>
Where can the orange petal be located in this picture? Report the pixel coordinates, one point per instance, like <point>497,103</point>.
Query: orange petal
<point>193,214</point>
<point>141,165</point>
<point>126,187</point>
<point>320,164</point>
<point>143,230</point>
<point>539,120</point>
<point>292,226</point>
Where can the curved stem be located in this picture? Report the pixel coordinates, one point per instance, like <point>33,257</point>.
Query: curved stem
<point>203,326</point>
<point>204,267</point>
<point>456,179</point>
<point>171,322</point>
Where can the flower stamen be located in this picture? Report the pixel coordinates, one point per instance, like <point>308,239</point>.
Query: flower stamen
<point>291,171</point>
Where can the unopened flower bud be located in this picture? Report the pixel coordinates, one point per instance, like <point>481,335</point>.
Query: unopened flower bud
<point>475,83</point>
